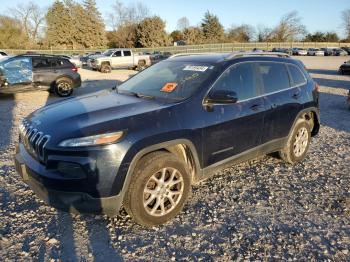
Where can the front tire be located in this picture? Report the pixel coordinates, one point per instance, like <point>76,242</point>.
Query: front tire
<point>158,189</point>
<point>64,87</point>
<point>298,143</point>
<point>106,68</point>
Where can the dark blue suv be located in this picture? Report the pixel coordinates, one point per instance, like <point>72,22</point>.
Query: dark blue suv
<point>143,144</point>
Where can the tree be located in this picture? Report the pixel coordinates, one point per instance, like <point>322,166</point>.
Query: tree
<point>213,31</point>
<point>93,25</point>
<point>151,33</point>
<point>322,37</point>
<point>346,23</point>
<point>183,23</point>
<point>176,35</point>
<point>124,37</point>
<point>31,18</point>
<point>121,15</point>
<point>242,33</point>
<point>264,34</point>
<point>193,36</point>
<point>289,28</point>
<point>11,33</point>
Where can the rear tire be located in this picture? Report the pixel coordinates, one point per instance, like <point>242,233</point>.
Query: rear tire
<point>298,143</point>
<point>158,190</point>
<point>64,87</point>
<point>106,68</point>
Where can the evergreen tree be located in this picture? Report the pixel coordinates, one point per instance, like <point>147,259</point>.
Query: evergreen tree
<point>151,33</point>
<point>213,30</point>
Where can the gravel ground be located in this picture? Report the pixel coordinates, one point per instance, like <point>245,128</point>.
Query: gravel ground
<point>260,210</point>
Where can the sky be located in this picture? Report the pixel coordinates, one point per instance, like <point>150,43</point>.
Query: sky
<point>317,15</point>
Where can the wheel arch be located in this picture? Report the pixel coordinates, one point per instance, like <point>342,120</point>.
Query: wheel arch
<point>312,116</point>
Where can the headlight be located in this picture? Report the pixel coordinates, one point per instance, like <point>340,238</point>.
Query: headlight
<point>92,140</point>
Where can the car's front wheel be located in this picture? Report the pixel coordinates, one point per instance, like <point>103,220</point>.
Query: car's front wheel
<point>106,68</point>
<point>298,143</point>
<point>64,87</point>
<point>158,189</point>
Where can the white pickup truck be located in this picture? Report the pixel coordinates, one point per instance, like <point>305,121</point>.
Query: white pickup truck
<point>118,58</point>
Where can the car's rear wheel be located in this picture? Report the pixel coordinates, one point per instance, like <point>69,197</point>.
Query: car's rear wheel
<point>158,189</point>
<point>298,143</point>
<point>141,65</point>
<point>64,87</point>
<point>106,68</point>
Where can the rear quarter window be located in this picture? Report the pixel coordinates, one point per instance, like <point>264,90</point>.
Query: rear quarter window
<point>297,77</point>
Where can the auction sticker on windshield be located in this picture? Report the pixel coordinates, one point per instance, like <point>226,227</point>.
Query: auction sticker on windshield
<point>195,68</point>
<point>168,87</point>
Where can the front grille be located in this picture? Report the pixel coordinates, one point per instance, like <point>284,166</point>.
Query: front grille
<point>33,140</point>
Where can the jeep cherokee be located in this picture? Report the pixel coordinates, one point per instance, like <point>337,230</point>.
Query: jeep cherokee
<point>143,144</point>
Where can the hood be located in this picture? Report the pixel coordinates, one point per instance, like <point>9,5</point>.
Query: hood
<point>97,56</point>
<point>93,114</point>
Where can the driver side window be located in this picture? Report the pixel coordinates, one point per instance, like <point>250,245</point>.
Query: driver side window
<point>118,53</point>
<point>241,79</point>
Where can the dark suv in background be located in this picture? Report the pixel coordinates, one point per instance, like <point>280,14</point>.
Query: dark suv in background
<point>38,72</point>
<point>172,125</point>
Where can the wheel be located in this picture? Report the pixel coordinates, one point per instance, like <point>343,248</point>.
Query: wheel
<point>141,65</point>
<point>64,87</point>
<point>158,189</point>
<point>106,68</point>
<point>298,143</point>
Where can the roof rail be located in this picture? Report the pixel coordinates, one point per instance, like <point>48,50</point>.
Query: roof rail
<point>190,54</point>
<point>241,54</point>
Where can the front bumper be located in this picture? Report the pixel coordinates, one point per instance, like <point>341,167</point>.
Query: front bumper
<point>69,201</point>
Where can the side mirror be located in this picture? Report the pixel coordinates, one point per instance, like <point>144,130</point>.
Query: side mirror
<point>221,97</point>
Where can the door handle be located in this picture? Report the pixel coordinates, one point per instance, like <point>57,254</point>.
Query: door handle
<point>256,107</point>
<point>273,106</point>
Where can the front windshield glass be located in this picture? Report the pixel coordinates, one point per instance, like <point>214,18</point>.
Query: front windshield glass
<point>169,80</point>
<point>108,52</point>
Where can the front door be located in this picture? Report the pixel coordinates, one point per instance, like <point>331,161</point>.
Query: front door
<point>234,128</point>
<point>17,74</point>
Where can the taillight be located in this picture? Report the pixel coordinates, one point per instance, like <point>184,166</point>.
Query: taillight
<point>75,69</point>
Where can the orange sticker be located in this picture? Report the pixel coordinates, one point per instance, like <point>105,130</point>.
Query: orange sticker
<point>168,87</point>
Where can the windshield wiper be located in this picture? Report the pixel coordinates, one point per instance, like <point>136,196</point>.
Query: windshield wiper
<point>138,95</point>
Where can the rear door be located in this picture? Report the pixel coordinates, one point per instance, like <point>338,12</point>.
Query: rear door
<point>234,128</point>
<point>281,87</point>
<point>43,74</point>
<point>128,59</point>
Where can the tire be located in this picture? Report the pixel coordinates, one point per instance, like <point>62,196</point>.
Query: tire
<point>293,151</point>
<point>141,65</point>
<point>64,87</point>
<point>106,68</point>
<point>157,165</point>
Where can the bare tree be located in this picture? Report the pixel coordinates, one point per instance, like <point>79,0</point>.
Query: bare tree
<point>122,15</point>
<point>242,33</point>
<point>32,18</point>
<point>289,28</point>
<point>264,34</point>
<point>183,23</point>
<point>346,22</point>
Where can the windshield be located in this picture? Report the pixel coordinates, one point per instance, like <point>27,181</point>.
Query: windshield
<point>169,80</point>
<point>108,52</point>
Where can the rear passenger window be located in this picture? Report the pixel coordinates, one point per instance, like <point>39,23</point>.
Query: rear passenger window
<point>297,76</point>
<point>56,63</point>
<point>274,76</point>
<point>127,53</point>
<point>239,78</point>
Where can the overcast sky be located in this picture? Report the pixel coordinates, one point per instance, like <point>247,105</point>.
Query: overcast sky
<point>323,15</point>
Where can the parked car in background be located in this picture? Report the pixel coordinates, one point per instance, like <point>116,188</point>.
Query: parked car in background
<point>119,58</point>
<point>258,50</point>
<point>347,49</point>
<point>327,51</point>
<point>76,61</point>
<point>340,52</point>
<point>281,50</point>
<point>299,51</point>
<point>172,125</point>
<point>345,68</point>
<point>38,72</point>
<point>315,52</point>
<point>84,58</point>
<point>3,54</point>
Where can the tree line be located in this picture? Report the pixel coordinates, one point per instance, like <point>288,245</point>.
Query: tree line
<point>71,24</point>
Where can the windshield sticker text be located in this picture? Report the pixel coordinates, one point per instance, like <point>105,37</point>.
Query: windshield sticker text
<point>195,68</point>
